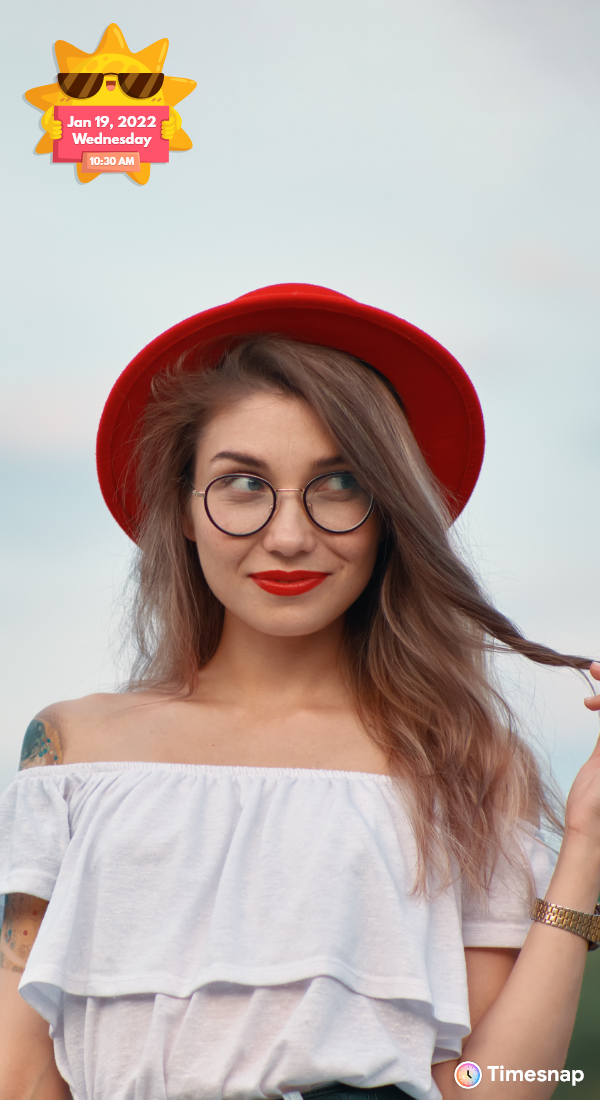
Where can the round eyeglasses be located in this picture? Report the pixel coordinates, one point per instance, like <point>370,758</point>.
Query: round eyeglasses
<point>242,504</point>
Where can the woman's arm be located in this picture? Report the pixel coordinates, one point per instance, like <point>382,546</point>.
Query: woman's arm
<point>27,1066</point>
<point>528,1025</point>
<point>529,1021</point>
<point>488,970</point>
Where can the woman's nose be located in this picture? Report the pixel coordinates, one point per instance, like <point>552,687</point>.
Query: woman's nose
<point>290,530</point>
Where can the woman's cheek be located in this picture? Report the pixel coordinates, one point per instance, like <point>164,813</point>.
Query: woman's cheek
<point>220,566</point>
<point>360,552</point>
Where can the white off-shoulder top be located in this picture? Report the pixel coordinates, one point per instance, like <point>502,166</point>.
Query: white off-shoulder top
<point>234,933</point>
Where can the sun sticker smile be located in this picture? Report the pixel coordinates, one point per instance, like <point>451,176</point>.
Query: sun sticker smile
<point>112,76</point>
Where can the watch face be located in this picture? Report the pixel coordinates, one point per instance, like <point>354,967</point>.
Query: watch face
<point>467,1075</point>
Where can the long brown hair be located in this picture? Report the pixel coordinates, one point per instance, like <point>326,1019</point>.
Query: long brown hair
<point>417,641</point>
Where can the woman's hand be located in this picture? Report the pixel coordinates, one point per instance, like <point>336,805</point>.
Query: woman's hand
<point>593,701</point>
<point>582,817</point>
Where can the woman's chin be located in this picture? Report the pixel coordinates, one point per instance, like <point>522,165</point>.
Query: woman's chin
<point>283,622</point>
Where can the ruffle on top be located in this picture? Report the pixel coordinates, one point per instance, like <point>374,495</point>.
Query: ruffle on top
<point>164,878</point>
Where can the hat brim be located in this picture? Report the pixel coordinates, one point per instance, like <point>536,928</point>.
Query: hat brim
<point>439,399</point>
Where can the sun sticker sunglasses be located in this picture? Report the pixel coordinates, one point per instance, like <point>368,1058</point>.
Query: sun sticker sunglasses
<point>136,85</point>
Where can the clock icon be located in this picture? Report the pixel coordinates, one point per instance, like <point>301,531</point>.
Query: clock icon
<point>467,1075</point>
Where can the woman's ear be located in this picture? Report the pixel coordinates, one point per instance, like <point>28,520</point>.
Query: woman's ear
<point>186,521</point>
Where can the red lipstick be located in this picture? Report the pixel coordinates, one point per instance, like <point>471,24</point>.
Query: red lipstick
<point>293,582</point>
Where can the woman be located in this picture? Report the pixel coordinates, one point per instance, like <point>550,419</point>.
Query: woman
<point>297,855</point>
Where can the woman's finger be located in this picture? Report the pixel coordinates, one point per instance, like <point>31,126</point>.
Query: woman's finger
<point>592,702</point>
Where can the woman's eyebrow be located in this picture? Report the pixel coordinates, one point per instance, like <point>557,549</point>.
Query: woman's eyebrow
<point>324,463</point>
<point>241,459</point>
<point>257,463</point>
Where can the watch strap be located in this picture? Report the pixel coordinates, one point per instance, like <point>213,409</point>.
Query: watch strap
<point>586,925</point>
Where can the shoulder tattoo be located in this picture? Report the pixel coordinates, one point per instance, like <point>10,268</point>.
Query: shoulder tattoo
<point>41,745</point>
<point>22,918</point>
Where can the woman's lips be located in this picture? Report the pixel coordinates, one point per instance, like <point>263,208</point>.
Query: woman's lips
<point>291,582</point>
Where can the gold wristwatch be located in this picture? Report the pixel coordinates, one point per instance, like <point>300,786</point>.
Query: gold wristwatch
<point>586,925</point>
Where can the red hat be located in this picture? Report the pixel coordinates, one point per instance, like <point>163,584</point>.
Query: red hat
<point>439,399</point>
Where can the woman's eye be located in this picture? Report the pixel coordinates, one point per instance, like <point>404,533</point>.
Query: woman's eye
<point>246,484</point>
<point>339,482</point>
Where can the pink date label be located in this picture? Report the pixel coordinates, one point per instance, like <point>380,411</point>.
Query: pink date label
<point>111,131</point>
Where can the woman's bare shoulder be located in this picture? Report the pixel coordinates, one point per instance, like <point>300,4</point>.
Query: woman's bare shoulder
<point>83,729</point>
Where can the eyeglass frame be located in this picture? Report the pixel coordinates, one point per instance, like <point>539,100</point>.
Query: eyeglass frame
<point>275,492</point>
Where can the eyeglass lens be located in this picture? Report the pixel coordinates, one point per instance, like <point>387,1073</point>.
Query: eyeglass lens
<point>141,85</point>
<point>135,85</point>
<point>240,504</point>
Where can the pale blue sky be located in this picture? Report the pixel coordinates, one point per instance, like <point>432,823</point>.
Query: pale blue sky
<point>439,159</point>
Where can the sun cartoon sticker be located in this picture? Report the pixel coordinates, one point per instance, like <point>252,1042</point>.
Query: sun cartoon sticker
<point>112,77</point>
